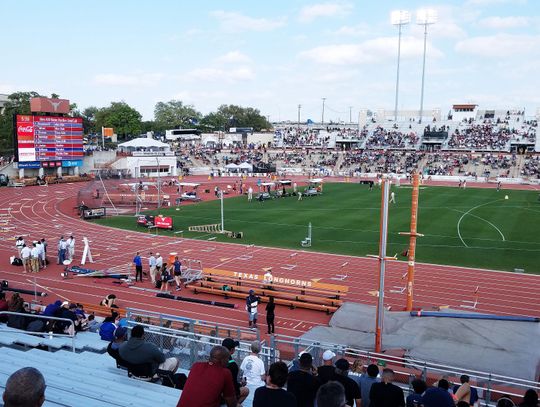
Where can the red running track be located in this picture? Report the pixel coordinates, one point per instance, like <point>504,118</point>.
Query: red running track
<point>49,212</point>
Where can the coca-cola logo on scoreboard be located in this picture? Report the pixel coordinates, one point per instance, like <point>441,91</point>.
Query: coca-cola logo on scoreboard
<point>24,129</point>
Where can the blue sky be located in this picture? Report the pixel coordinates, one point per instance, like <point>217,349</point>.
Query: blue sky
<point>272,55</point>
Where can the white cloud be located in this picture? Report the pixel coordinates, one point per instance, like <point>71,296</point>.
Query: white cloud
<point>352,30</point>
<point>142,79</point>
<point>237,22</point>
<point>234,57</point>
<point>502,23</point>
<point>222,75</point>
<point>500,44</point>
<point>370,51</point>
<point>310,13</point>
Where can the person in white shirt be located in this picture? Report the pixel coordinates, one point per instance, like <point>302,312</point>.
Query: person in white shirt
<point>252,368</point>
<point>159,263</point>
<point>268,278</point>
<point>392,197</point>
<point>250,194</point>
<point>152,266</point>
<point>70,247</point>
<point>41,251</point>
<point>19,244</point>
<point>25,256</point>
<point>34,258</point>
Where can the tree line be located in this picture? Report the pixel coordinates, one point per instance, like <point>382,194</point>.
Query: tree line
<point>127,121</point>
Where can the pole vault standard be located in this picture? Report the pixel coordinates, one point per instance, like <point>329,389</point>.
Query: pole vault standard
<point>412,241</point>
<point>382,263</point>
<point>222,217</point>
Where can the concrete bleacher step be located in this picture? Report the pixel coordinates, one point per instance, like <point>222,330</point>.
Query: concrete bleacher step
<point>87,377</point>
<point>83,340</point>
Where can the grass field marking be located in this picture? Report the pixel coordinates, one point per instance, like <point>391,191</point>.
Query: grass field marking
<point>469,211</point>
<point>487,221</point>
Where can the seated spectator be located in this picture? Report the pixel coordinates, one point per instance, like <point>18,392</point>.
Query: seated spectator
<point>302,383</point>
<point>465,392</point>
<point>66,311</point>
<point>107,328</point>
<point>326,371</point>
<point>530,399</point>
<point>51,309</point>
<point>386,393</point>
<point>93,325</point>
<point>252,367</point>
<point>120,336</point>
<point>209,382</point>
<point>3,307</point>
<point>273,394</point>
<point>438,396</point>
<point>366,381</point>
<point>331,394</point>
<point>352,391</point>
<point>24,388</point>
<point>16,304</point>
<point>415,399</point>
<point>241,390</point>
<point>139,353</point>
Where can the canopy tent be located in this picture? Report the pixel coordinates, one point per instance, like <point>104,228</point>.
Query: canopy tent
<point>232,166</point>
<point>143,143</point>
<point>245,166</point>
<point>315,181</point>
<point>284,182</point>
<point>267,184</point>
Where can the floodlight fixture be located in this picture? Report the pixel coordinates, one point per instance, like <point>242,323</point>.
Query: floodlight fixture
<point>426,16</point>
<point>399,18</point>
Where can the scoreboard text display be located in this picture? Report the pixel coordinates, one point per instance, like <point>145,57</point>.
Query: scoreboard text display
<point>48,138</point>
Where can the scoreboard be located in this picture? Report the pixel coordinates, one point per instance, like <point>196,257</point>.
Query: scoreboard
<point>42,139</point>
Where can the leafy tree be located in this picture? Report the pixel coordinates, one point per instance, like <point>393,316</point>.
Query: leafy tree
<point>228,116</point>
<point>17,103</point>
<point>175,114</point>
<point>119,115</point>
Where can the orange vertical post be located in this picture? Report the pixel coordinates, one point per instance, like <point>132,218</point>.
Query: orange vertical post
<point>412,242</point>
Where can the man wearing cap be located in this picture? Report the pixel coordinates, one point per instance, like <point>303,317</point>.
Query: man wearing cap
<point>119,337</point>
<point>327,371</point>
<point>302,383</point>
<point>252,302</point>
<point>352,391</point>
<point>240,388</point>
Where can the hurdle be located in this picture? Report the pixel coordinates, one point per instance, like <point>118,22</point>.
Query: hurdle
<point>398,289</point>
<point>474,303</point>
<point>290,267</point>
<point>342,276</point>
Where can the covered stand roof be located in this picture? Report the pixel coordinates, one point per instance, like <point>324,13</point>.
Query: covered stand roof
<point>144,143</point>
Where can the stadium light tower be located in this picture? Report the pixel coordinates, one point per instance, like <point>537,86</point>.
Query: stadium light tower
<point>399,18</point>
<point>322,117</point>
<point>424,17</point>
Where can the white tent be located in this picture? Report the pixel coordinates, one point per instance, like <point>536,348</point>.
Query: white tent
<point>232,166</point>
<point>245,166</point>
<point>143,143</point>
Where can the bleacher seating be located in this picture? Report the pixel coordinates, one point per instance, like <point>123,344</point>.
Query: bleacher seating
<point>85,379</point>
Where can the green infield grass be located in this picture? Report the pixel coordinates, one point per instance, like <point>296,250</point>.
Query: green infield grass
<point>471,227</point>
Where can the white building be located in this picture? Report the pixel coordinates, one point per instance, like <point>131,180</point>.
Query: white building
<point>146,157</point>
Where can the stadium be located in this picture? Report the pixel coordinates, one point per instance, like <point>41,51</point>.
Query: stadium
<point>397,247</point>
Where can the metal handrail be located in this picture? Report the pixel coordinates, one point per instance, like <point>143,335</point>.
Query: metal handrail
<point>50,334</point>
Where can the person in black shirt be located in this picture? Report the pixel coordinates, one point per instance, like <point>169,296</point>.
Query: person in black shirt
<point>352,391</point>
<point>241,390</point>
<point>273,394</point>
<point>326,372</point>
<point>270,307</point>
<point>302,383</point>
<point>386,394</point>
